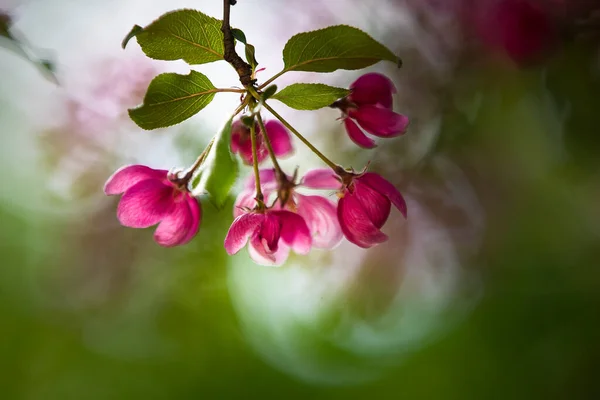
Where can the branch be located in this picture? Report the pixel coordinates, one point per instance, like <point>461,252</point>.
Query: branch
<point>242,68</point>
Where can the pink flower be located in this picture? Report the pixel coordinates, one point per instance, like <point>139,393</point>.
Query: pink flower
<point>152,196</point>
<point>365,207</point>
<point>266,230</point>
<point>318,212</point>
<point>519,28</point>
<point>370,105</point>
<point>242,144</point>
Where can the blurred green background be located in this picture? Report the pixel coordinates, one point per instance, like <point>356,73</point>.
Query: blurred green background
<point>490,289</point>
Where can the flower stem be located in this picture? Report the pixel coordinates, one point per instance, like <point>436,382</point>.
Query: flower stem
<point>269,146</point>
<point>259,195</point>
<point>271,79</point>
<point>308,144</point>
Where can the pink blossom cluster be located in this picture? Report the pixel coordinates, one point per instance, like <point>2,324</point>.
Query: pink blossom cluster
<point>284,218</point>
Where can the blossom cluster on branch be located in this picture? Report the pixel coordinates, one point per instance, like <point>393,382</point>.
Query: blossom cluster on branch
<point>273,214</point>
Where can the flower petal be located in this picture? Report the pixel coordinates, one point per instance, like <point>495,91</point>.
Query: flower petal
<point>145,204</point>
<point>262,256</point>
<point>270,231</point>
<point>357,135</point>
<point>127,176</point>
<point>321,218</point>
<point>384,187</point>
<point>294,231</point>
<point>241,228</point>
<point>196,212</point>
<point>356,225</point>
<point>280,138</point>
<point>236,141</point>
<point>321,178</point>
<point>244,200</point>
<point>267,179</point>
<point>372,88</point>
<point>379,121</point>
<point>175,226</point>
<point>376,205</point>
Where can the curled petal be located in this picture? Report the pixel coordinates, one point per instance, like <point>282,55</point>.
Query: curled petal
<point>270,231</point>
<point>321,218</point>
<point>321,178</point>
<point>384,187</point>
<point>294,231</point>
<point>357,135</point>
<point>380,121</point>
<point>280,138</point>
<point>241,228</point>
<point>175,226</point>
<point>196,213</point>
<point>376,205</point>
<point>145,204</point>
<point>356,225</point>
<point>373,88</point>
<point>127,176</point>
<point>257,253</point>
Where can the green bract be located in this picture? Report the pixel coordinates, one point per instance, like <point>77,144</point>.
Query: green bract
<point>333,48</point>
<point>172,98</point>
<point>189,35</point>
<point>220,169</point>
<point>309,96</point>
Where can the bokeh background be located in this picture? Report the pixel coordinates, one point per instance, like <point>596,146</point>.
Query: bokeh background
<point>490,289</point>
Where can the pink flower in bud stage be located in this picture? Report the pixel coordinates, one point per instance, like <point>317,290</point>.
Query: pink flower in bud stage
<point>364,207</point>
<point>152,196</point>
<point>278,135</point>
<point>318,212</point>
<point>370,105</point>
<point>271,233</point>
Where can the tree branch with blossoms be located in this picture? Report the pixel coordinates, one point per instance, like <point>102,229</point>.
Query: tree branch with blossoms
<point>271,217</point>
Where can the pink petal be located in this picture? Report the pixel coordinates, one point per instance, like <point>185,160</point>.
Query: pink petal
<point>235,142</point>
<point>196,212</point>
<point>321,178</point>
<point>241,228</point>
<point>294,231</point>
<point>384,187</point>
<point>267,179</point>
<point>356,225</point>
<point>145,204</point>
<point>244,200</point>
<point>280,138</point>
<point>126,177</point>
<point>357,135</point>
<point>175,226</point>
<point>373,88</point>
<point>245,149</point>
<point>376,205</point>
<point>321,218</point>
<point>270,231</point>
<point>379,121</point>
<point>261,256</point>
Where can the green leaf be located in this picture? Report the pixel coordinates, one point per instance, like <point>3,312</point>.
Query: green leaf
<point>132,33</point>
<point>309,96</point>
<point>238,34</point>
<point>220,169</point>
<point>333,48</point>
<point>250,56</point>
<point>172,98</point>
<point>183,34</point>
<point>269,92</point>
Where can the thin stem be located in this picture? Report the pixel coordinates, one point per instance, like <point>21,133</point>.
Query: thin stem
<point>259,195</point>
<point>230,90</point>
<point>243,69</point>
<point>271,79</point>
<point>326,160</point>
<point>269,146</point>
